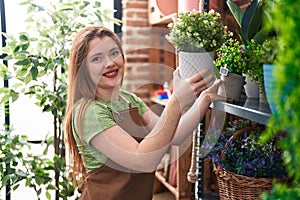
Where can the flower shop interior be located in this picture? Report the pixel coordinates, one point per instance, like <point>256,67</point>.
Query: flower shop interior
<point>244,147</point>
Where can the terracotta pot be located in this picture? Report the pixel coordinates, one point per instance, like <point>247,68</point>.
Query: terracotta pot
<point>167,7</point>
<point>188,5</point>
<point>232,86</point>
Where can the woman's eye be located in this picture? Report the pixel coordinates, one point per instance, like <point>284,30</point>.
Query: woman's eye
<point>115,53</point>
<point>96,59</point>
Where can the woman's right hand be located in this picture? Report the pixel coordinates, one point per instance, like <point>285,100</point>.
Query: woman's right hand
<point>187,90</point>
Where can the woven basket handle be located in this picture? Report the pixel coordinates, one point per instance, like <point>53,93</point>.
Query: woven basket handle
<point>235,135</point>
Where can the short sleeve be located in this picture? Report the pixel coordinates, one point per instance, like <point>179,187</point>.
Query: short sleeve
<point>97,118</point>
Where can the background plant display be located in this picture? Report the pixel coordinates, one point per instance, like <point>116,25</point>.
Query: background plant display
<point>197,32</point>
<point>245,156</point>
<point>37,57</point>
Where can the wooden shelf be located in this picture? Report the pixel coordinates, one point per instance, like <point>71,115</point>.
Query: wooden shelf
<point>162,179</point>
<point>183,189</point>
<point>162,20</point>
<point>155,17</point>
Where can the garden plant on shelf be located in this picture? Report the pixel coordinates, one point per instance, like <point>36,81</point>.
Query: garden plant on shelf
<point>252,26</point>
<point>243,166</point>
<point>234,59</point>
<point>196,35</point>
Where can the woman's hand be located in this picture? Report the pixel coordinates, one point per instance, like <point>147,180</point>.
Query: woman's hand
<point>210,94</point>
<point>187,90</point>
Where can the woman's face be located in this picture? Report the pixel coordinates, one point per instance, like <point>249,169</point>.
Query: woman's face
<point>105,63</point>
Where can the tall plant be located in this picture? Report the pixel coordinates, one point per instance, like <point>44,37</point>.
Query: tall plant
<point>39,58</point>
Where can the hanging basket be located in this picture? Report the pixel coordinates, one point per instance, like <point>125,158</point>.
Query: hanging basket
<point>233,186</point>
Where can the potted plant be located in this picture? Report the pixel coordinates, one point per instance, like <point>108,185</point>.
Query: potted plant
<point>196,35</point>
<point>243,165</point>
<point>233,59</point>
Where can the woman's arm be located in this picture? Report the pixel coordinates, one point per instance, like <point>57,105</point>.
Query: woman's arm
<point>192,117</point>
<point>120,147</point>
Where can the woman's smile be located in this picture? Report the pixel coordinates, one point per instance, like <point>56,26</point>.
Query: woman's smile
<point>111,73</point>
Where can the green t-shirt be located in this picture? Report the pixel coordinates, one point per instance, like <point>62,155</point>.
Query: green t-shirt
<point>97,118</point>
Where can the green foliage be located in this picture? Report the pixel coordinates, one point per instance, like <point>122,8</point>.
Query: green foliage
<point>197,32</point>
<point>237,57</point>
<point>269,50</point>
<point>250,21</point>
<point>19,165</point>
<point>285,18</point>
<point>39,60</point>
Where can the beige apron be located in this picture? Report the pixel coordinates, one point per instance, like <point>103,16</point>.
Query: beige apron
<point>109,182</point>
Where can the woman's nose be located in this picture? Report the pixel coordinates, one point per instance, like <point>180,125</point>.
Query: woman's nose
<point>108,61</point>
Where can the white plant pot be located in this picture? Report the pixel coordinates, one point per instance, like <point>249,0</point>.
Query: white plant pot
<point>190,63</point>
<point>232,86</point>
<point>251,88</point>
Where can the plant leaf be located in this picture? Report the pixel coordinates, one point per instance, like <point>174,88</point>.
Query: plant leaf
<point>236,11</point>
<point>247,18</point>
<point>256,22</point>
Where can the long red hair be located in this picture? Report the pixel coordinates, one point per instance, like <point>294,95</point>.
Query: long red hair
<point>82,88</point>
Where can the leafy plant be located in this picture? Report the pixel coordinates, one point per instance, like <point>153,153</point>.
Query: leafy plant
<point>39,59</point>
<point>19,165</point>
<point>269,51</point>
<point>250,21</point>
<point>237,57</point>
<point>245,156</point>
<point>285,18</point>
<point>197,32</point>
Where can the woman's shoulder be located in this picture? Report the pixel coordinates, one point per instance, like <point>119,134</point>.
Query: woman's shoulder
<point>90,105</point>
<point>130,96</point>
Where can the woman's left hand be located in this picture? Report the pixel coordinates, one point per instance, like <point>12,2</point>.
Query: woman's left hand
<point>210,94</point>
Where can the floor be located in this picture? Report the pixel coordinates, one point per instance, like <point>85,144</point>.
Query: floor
<point>163,196</point>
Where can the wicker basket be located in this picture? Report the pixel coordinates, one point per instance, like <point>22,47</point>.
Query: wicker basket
<point>233,186</point>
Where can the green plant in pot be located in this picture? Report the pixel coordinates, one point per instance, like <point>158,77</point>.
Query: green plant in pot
<point>252,27</point>
<point>233,59</point>
<point>196,35</point>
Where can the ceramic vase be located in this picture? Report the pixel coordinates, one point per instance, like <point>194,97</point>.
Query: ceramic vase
<point>269,85</point>
<point>232,86</point>
<point>191,63</point>
<point>251,88</point>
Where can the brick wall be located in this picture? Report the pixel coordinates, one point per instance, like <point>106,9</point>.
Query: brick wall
<point>135,40</point>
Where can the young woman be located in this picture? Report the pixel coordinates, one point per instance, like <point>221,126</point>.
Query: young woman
<point>115,141</point>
